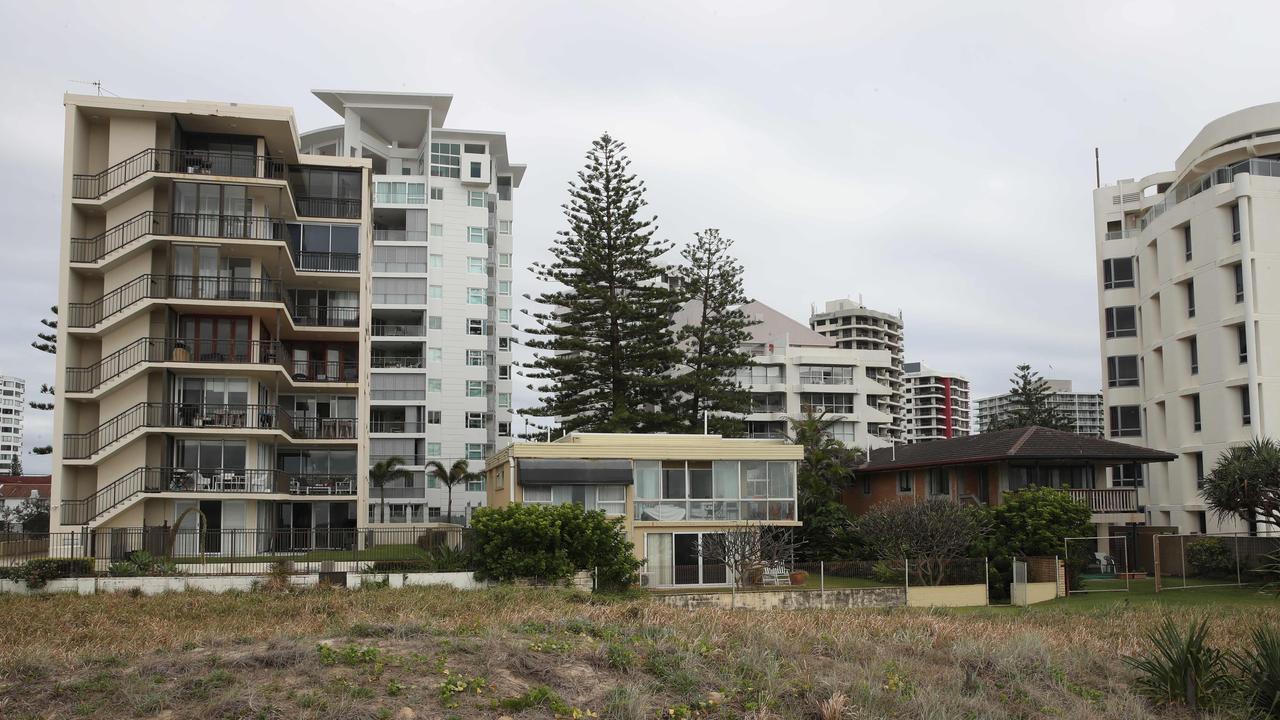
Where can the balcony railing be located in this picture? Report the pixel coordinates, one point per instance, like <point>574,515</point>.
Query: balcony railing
<point>174,287</point>
<point>165,160</point>
<point>196,480</point>
<point>389,362</point>
<point>408,459</point>
<point>313,315</point>
<point>700,510</point>
<point>346,371</point>
<point>231,416</point>
<point>396,330</point>
<point>328,262</point>
<point>396,426</point>
<point>1107,500</point>
<point>151,222</point>
<point>328,207</point>
<point>384,235</point>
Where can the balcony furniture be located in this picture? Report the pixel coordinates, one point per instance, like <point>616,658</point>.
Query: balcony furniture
<point>265,420</point>
<point>180,353</point>
<point>233,482</point>
<point>203,482</point>
<point>1105,563</point>
<point>775,575</point>
<point>180,480</point>
<point>664,513</point>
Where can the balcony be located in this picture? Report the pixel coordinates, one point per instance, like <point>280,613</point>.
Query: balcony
<point>226,227</point>
<point>328,207</point>
<point>172,287</point>
<point>207,416</point>
<point>396,426</point>
<point>397,330</point>
<point>714,510</point>
<point>315,315</point>
<point>396,362</point>
<point>166,160</point>
<point>383,235</point>
<point>1108,500</point>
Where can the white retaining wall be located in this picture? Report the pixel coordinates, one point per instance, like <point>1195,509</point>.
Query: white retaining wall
<point>224,583</point>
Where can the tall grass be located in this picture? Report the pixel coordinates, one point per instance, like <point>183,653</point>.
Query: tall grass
<point>1184,669</point>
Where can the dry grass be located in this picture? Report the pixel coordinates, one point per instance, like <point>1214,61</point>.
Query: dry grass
<point>254,655</point>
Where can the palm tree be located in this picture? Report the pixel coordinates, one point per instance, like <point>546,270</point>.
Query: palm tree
<point>459,472</point>
<point>384,472</point>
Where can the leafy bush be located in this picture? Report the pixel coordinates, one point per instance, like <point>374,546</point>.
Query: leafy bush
<point>141,563</point>
<point>440,559</point>
<point>1211,557</point>
<point>1183,669</point>
<point>550,543</point>
<point>1033,522</point>
<point>1260,673</point>
<point>38,572</point>
<point>928,534</point>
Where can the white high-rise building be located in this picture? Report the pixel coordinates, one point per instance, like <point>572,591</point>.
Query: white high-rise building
<point>937,403</point>
<point>1083,409</point>
<point>440,335</point>
<point>1186,265</point>
<point>12,403</point>
<point>854,326</point>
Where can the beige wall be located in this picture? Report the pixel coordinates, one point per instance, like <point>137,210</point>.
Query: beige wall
<point>947,596</point>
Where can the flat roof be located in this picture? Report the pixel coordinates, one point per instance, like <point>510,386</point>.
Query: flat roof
<point>1028,443</point>
<point>651,446</point>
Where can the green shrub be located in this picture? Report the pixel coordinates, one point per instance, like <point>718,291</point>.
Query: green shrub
<point>439,559</point>
<point>1211,557</point>
<point>141,563</point>
<point>38,572</point>
<point>1259,667</point>
<point>1182,669</point>
<point>550,543</point>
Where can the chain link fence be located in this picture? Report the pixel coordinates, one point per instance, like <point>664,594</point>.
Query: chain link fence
<point>1102,563</point>
<point>1189,561</point>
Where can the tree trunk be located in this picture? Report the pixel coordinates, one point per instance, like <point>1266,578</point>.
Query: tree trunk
<point>448,513</point>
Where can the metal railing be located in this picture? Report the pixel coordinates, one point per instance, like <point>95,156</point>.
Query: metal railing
<point>328,262</point>
<point>345,371</point>
<point>396,361</point>
<point>189,551</point>
<point>328,207</point>
<point>396,426</point>
<point>232,416</point>
<point>1226,174</point>
<point>407,459</point>
<point>397,330</point>
<point>175,287</point>
<point>313,315</point>
<point>166,160</point>
<point>1107,500</point>
<point>383,235</point>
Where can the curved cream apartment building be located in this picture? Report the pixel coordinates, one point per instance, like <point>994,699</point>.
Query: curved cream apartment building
<point>1187,264</point>
<point>854,326</point>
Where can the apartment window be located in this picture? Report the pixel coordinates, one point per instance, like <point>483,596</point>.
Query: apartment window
<point>504,429</point>
<point>1198,458</point>
<point>1195,412</point>
<point>1127,476</point>
<point>436,292</point>
<point>475,327</point>
<point>1125,421</point>
<point>1242,342</point>
<point>1193,354</point>
<point>504,227</point>
<point>433,449</point>
<point>399,193</point>
<point>504,259</point>
<point>1246,417</point>
<point>475,451</point>
<point>434,322</point>
<point>475,388</point>
<point>446,161</point>
<point>475,235</point>
<point>504,400</point>
<point>504,315</point>
<point>435,262</point>
<point>435,385</point>
<point>476,170</point>
<point>475,421</point>
<point>437,193</point>
<point>939,481</point>
<point>1238,268</point>
<point>1191,298</point>
<point>504,344</point>
<point>504,287</point>
<point>1235,223</point>
<point>474,148</point>
<point>475,357</point>
<point>399,291</point>
<point>437,230</point>
<point>435,354</point>
<point>409,259</point>
<point>1186,243</point>
<point>1122,321</point>
<point>476,296</point>
<point>476,265</point>
<point>433,417</point>
<point>1117,273</point>
<point>475,198</point>
<point>1122,370</point>
<point>504,372</point>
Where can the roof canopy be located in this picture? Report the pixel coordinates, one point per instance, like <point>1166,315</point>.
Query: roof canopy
<point>1032,444</point>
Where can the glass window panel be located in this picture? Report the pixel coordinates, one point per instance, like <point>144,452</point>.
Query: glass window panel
<point>782,479</point>
<point>724,479</point>
<point>673,480</point>
<point>647,479</point>
<point>700,480</point>
<point>315,238</point>
<point>755,479</point>
<point>346,239</point>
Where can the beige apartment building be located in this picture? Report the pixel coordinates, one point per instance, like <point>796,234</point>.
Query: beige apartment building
<point>234,299</point>
<point>1187,264</point>
<point>854,326</point>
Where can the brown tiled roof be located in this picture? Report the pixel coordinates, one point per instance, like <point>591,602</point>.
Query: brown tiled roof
<point>1028,443</point>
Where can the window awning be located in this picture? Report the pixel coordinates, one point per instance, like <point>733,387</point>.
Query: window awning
<point>544,471</point>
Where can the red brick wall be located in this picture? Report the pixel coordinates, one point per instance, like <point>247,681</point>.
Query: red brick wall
<point>884,486</point>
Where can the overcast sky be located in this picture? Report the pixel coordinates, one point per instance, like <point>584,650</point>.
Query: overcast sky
<point>933,158</point>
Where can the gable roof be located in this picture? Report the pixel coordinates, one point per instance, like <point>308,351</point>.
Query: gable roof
<point>1028,443</point>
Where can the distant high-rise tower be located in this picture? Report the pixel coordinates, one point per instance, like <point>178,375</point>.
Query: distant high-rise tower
<point>854,326</point>
<point>937,404</point>
<point>12,404</point>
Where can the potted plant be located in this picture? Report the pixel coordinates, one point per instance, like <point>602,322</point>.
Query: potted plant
<point>755,575</point>
<point>799,577</point>
<point>180,353</point>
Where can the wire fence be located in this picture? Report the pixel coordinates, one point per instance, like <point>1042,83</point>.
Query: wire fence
<point>822,575</point>
<point>1236,559</point>
<point>161,550</point>
<point>1102,563</point>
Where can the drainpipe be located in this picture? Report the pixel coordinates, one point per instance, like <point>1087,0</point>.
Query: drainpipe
<point>1250,333</point>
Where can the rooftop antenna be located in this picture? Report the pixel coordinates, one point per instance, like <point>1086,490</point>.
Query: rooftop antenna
<point>97,84</point>
<point>1097,169</point>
